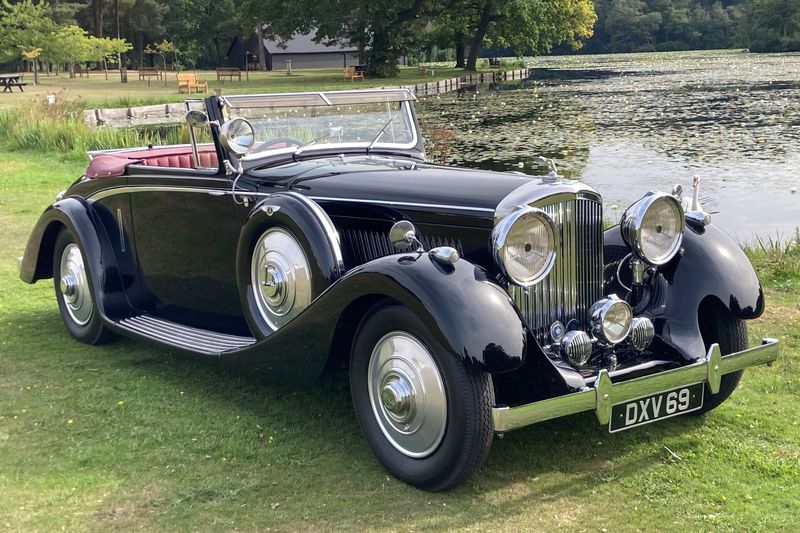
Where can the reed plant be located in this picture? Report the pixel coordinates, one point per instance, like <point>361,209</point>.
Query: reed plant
<point>59,128</point>
<point>777,259</point>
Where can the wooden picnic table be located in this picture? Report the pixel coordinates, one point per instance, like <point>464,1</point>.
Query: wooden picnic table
<point>9,81</point>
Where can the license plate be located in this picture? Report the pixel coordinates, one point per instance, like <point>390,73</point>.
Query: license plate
<point>657,406</point>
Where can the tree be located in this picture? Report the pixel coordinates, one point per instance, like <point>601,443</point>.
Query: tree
<point>382,30</point>
<point>529,25</point>
<point>630,28</point>
<point>24,26</point>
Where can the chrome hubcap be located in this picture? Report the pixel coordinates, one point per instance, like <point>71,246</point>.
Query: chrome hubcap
<point>407,394</point>
<point>281,277</point>
<point>68,283</point>
<point>74,285</point>
<point>397,398</point>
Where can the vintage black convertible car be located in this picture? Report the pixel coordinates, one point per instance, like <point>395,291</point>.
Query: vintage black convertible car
<point>308,234</point>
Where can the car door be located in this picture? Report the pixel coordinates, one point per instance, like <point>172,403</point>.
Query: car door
<point>186,227</point>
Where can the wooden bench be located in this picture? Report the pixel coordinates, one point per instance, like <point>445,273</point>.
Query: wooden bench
<point>352,74</point>
<point>150,72</point>
<point>228,72</point>
<point>189,81</point>
<point>9,82</point>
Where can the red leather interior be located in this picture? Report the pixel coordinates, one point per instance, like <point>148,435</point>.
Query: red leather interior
<point>180,160</point>
<point>114,164</point>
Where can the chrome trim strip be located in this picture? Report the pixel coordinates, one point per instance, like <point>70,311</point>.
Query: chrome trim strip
<point>327,224</point>
<point>605,393</point>
<point>129,189</point>
<point>121,231</point>
<point>402,204</point>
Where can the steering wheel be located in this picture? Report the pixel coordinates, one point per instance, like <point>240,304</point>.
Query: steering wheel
<point>279,142</point>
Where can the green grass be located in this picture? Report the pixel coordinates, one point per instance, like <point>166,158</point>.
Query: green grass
<point>130,436</point>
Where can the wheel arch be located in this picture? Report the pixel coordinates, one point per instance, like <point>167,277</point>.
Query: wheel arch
<point>77,216</point>
<point>313,230</point>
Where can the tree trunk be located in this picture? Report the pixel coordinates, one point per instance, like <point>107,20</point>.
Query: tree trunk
<point>480,33</point>
<point>262,56</point>
<point>98,8</point>
<point>460,55</point>
<point>382,58</point>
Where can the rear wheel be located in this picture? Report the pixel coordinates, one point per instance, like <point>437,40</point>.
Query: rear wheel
<point>719,326</point>
<point>426,415</point>
<point>74,292</point>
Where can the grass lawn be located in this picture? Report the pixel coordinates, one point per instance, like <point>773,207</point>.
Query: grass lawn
<point>130,436</point>
<point>95,90</point>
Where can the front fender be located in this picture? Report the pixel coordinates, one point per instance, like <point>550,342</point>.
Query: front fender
<point>471,316</point>
<point>710,265</point>
<point>77,215</point>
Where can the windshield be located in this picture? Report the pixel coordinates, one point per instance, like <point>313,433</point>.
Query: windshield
<point>306,127</point>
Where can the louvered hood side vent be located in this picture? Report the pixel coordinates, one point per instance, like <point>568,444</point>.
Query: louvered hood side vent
<point>364,245</point>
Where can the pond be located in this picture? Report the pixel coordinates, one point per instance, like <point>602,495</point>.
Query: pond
<point>630,123</point>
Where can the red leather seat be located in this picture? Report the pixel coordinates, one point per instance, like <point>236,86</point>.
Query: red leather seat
<point>114,164</point>
<point>208,159</point>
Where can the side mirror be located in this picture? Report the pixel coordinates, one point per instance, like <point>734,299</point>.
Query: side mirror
<point>403,235</point>
<point>196,118</point>
<point>237,135</point>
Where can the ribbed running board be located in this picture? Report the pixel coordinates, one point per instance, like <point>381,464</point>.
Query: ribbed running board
<point>185,337</point>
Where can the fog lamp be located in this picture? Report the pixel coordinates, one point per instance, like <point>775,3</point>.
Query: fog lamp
<point>610,319</point>
<point>642,333</point>
<point>576,347</point>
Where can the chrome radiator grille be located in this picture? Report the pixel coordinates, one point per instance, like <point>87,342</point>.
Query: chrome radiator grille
<point>575,282</point>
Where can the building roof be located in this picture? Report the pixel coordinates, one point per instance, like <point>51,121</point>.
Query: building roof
<point>303,44</point>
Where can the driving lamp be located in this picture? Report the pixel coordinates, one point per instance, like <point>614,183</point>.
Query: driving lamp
<point>524,245</point>
<point>610,319</point>
<point>653,228</point>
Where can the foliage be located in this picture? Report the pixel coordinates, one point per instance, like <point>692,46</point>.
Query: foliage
<point>24,26</point>
<point>665,25</point>
<point>58,128</point>
<point>27,26</point>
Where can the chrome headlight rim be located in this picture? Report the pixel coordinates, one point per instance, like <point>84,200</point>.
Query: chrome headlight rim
<point>500,235</point>
<point>631,226</point>
<point>598,313</point>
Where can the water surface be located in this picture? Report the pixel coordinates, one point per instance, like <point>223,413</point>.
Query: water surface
<point>630,123</point>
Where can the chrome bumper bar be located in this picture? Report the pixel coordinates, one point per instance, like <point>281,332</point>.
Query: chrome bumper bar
<point>605,393</point>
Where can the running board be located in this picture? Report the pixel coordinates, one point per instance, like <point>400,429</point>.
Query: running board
<point>184,337</point>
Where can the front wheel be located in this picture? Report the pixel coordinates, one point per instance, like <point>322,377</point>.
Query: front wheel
<point>719,326</point>
<point>425,414</point>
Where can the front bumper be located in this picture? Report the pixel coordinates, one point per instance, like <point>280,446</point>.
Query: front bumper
<point>605,393</point>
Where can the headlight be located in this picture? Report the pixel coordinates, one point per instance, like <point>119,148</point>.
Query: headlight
<point>524,245</point>
<point>653,227</point>
<point>611,319</point>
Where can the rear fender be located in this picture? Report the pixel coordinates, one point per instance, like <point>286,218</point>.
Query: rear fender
<point>80,219</point>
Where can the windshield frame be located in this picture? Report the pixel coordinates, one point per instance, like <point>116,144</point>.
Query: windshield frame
<point>229,105</point>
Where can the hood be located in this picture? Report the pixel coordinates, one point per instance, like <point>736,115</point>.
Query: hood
<point>400,183</point>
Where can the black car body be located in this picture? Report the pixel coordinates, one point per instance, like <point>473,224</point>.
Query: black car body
<point>463,303</point>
